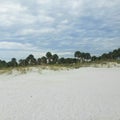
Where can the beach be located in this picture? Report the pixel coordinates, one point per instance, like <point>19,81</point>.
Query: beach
<point>86,93</point>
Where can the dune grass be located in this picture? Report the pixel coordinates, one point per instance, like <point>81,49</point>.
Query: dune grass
<point>24,70</point>
<point>57,67</point>
<point>6,71</point>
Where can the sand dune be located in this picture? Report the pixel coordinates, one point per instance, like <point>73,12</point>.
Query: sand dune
<point>79,94</point>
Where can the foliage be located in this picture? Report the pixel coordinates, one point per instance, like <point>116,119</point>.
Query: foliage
<point>78,60</point>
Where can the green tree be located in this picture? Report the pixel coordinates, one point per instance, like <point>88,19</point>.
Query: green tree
<point>61,61</point>
<point>14,62</point>
<point>77,55</point>
<point>93,58</point>
<point>55,58</point>
<point>3,64</point>
<point>43,60</point>
<point>39,61</point>
<point>87,56</point>
<point>31,60</point>
<point>49,57</point>
<point>23,62</point>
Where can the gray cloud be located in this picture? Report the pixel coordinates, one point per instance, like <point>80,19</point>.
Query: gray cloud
<point>59,25</point>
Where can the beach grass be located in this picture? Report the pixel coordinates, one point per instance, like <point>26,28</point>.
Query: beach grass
<point>57,67</point>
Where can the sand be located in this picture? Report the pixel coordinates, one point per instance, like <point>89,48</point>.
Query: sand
<point>78,94</point>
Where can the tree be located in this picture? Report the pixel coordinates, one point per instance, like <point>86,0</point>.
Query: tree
<point>12,63</point>
<point>110,55</point>
<point>83,56</point>
<point>55,58</point>
<point>39,61</point>
<point>23,62</point>
<point>87,56</point>
<point>104,56</point>
<point>3,64</point>
<point>31,60</point>
<point>93,58</point>
<point>77,55</point>
<point>116,53</point>
<point>49,57</point>
<point>69,60</point>
<point>43,60</point>
<point>61,60</point>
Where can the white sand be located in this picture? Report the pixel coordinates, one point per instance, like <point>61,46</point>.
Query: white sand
<point>81,94</point>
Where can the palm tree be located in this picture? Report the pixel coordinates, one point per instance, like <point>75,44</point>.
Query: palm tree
<point>43,60</point>
<point>116,53</point>
<point>14,62</point>
<point>82,56</point>
<point>87,56</point>
<point>31,60</point>
<point>93,58</point>
<point>55,58</point>
<point>77,55</point>
<point>39,61</point>
<point>49,57</point>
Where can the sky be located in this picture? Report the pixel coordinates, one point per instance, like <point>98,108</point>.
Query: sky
<point>59,26</point>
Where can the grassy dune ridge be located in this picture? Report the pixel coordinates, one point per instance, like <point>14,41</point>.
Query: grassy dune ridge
<point>24,70</point>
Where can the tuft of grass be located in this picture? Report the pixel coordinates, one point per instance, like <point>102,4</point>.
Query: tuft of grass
<point>23,70</point>
<point>6,71</point>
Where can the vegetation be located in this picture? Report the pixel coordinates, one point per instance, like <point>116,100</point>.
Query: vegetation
<point>79,59</point>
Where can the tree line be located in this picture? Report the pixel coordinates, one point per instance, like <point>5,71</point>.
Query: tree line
<point>49,58</point>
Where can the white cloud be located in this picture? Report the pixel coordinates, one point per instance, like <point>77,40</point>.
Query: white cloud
<point>65,21</point>
<point>107,43</point>
<point>16,46</point>
<point>77,7</point>
<point>43,1</point>
<point>14,13</point>
<point>9,7</point>
<point>105,3</point>
<point>36,31</point>
<point>45,19</point>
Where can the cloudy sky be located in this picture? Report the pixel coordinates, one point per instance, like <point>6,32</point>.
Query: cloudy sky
<point>59,26</point>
